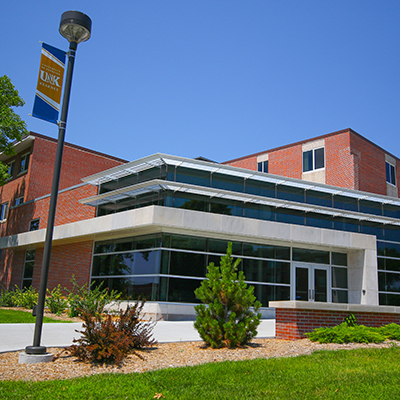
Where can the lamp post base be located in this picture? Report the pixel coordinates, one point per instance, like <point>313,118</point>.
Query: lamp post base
<point>35,349</point>
<point>25,358</point>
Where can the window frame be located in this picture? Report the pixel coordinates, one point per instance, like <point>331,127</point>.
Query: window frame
<point>34,221</point>
<point>390,173</point>
<point>313,159</point>
<point>3,214</point>
<point>11,168</point>
<point>23,167</point>
<point>262,166</point>
<point>18,201</point>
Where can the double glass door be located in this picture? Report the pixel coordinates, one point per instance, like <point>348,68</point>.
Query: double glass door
<point>311,283</point>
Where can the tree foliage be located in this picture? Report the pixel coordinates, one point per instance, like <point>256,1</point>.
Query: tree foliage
<point>12,127</point>
<point>229,316</point>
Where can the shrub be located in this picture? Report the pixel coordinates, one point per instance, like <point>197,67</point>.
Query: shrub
<point>55,300</point>
<point>6,298</point>
<point>227,320</point>
<point>27,297</point>
<point>391,331</point>
<point>105,340</point>
<point>82,300</point>
<point>347,334</point>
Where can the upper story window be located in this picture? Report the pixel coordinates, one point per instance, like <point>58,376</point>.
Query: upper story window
<point>262,166</point>
<point>24,163</point>
<point>19,200</point>
<point>313,159</point>
<point>3,211</point>
<point>34,225</point>
<point>390,173</point>
<point>10,170</point>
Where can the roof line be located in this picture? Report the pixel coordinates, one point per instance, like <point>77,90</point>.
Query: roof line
<point>309,140</point>
<point>50,139</point>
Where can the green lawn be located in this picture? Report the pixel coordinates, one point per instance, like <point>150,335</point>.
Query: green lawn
<point>357,374</point>
<point>20,317</point>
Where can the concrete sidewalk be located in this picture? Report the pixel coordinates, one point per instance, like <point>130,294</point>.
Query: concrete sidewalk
<point>15,337</point>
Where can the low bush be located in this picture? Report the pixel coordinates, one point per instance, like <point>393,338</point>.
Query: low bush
<point>92,302</point>
<point>6,298</point>
<point>350,332</point>
<point>347,334</point>
<point>27,297</point>
<point>391,331</point>
<point>55,301</point>
<point>108,340</point>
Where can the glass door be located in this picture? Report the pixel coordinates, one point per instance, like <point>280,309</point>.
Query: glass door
<point>311,283</point>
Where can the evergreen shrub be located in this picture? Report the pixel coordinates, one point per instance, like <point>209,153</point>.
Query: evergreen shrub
<point>350,332</point>
<point>229,314</point>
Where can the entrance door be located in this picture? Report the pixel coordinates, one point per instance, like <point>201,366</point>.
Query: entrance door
<point>311,283</point>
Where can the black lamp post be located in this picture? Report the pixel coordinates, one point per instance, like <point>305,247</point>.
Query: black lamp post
<point>75,27</point>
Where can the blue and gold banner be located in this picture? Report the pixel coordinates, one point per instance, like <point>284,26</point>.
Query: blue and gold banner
<point>49,87</point>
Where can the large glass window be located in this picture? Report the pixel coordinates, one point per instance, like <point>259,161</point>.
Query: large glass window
<point>260,188</point>
<point>290,193</point>
<point>193,177</point>
<point>389,282</point>
<point>227,182</point>
<point>318,198</point>
<point>28,268</point>
<point>312,256</point>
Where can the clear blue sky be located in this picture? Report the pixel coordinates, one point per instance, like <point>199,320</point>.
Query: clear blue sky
<point>217,78</point>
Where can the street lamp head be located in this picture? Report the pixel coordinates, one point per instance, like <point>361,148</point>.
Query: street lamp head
<point>75,26</point>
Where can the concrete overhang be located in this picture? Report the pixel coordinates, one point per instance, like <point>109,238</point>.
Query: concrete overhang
<point>153,219</point>
<point>19,147</point>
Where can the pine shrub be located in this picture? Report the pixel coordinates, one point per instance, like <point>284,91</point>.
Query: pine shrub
<point>108,340</point>
<point>226,318</point>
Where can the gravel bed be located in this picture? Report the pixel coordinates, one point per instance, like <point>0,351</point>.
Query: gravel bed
<point>165,355</point>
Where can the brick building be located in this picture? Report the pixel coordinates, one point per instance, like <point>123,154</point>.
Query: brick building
<point>25,198</point>
<point>344,158</point>
<point>314,222</point>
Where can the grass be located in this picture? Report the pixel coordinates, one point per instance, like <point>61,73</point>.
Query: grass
<point>344,374</point>
<point>21,317</point>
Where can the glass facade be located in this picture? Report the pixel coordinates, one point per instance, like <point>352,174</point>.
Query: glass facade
<point>167,267</point>
<point>336,214</point>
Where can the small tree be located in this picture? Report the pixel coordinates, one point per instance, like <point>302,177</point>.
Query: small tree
<point>227,320</point>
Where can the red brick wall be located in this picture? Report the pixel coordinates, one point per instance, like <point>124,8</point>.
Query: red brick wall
<point>371,165</point>
<point>11,276</point>
<point>340,162</point>
<point>66,260</point>
<point>248,163</point>
<point>68,210</point>
<point>351,161</point>
<point>76,164</point>
<point>287,161</point>
<point>292,324</point>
